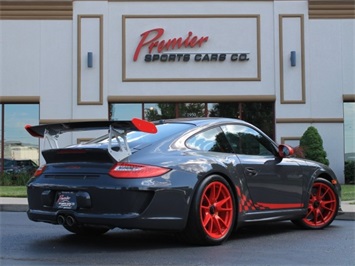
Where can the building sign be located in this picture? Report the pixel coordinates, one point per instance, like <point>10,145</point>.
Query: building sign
<point>161,50</point>
<point>187,48</point>
<point>152,39</point>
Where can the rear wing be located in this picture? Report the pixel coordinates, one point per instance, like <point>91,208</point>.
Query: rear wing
<point>116,129</point>
<point>135,124</point>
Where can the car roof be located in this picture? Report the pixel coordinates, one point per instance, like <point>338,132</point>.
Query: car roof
<point>201,121</point>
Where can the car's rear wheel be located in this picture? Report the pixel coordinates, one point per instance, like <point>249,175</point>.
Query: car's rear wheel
<point>323,206</point>
<point>212,214</point>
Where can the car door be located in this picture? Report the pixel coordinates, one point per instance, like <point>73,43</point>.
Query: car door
<point>273,182</point>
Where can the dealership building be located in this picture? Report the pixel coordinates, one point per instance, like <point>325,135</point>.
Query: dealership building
<point>281,65</point>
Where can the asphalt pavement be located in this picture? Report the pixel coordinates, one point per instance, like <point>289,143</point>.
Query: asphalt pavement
<point>21,205</point>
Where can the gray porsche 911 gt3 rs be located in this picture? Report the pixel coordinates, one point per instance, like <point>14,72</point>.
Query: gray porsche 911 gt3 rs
<point>200,178</point>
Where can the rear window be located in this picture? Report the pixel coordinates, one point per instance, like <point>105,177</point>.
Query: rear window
<point>137,138</point>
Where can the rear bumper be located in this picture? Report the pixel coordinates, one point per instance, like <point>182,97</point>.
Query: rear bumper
<point>159,203</point>
<point>124,221</point>
<point>161,209</point>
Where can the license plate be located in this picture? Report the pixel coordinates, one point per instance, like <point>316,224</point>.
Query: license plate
<point>66,200</point>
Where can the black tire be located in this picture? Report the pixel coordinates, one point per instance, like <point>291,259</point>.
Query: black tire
<point>86,230</point>
<point>323,206</point>
<point>212,213</point>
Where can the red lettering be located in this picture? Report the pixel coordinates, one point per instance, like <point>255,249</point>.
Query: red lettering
<point>170,44</point>
<point>193,42</point>
<point>174,42</point>
<point>143,42</point>
<point>202,40</point>
<point>161,46</point>
<point>186,42</point>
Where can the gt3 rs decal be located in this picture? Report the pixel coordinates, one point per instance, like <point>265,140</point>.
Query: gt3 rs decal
<point>246,204</point>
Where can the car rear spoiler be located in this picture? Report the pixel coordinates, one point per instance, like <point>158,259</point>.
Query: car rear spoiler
<point>50,132</point>
<point>135,124</point>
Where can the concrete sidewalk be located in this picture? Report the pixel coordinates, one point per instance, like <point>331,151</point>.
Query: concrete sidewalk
<point>20,205</point>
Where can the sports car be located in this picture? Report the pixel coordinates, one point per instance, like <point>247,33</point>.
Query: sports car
<point>199,178</point>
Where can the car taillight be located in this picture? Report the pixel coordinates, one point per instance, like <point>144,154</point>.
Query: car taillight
<point>39,170</point>
<point>132,170</point>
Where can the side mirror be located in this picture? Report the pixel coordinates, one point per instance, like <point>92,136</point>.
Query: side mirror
<point>285,150</point>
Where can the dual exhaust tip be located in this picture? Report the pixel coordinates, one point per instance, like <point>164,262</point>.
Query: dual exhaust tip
<point>66,220</point>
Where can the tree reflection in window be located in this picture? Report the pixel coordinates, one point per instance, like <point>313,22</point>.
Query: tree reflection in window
<point>245,140</point>
<point>209,140</point>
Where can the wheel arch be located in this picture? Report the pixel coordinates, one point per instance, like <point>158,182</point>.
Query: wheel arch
<point>327,176</point>
<point>193,225</point>
<point>230,183</point>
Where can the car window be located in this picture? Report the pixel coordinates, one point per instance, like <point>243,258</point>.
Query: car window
<point>246,140</point>
<point>138,138</point>
<point>209,140</point>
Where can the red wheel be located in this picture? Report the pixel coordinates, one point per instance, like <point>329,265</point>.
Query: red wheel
<point>322,206</point>
<point>212,214</point>
<point>216,210</point>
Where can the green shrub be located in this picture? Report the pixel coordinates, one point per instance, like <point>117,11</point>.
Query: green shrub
<point>349,172</point>
<point>5,180</point>
<point>14,179</point>
<point>312,146</point>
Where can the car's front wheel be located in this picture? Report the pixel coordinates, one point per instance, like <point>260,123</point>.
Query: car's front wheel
<point>323,206</point>
<point>212,214</point>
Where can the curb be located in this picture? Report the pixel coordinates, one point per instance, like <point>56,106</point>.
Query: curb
<point>347,216</point>
<point>13,207</point>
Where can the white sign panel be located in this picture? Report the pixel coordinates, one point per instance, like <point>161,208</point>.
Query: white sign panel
<point>191,48</point>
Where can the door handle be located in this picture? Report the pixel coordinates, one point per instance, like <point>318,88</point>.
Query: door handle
<point>250,171</point>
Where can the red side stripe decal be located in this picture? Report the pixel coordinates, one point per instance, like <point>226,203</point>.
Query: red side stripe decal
<point>246,204</point>
<point>276,206</point>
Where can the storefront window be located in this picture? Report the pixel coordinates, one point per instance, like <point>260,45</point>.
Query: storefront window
<point>157,111</point>
<point>229,110</point>
<point>192,109</point>
<point>125,111</point>
<point>260,114</point>
<point>152,112</point>
<point>349,131</point>
<point>19,150</point>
